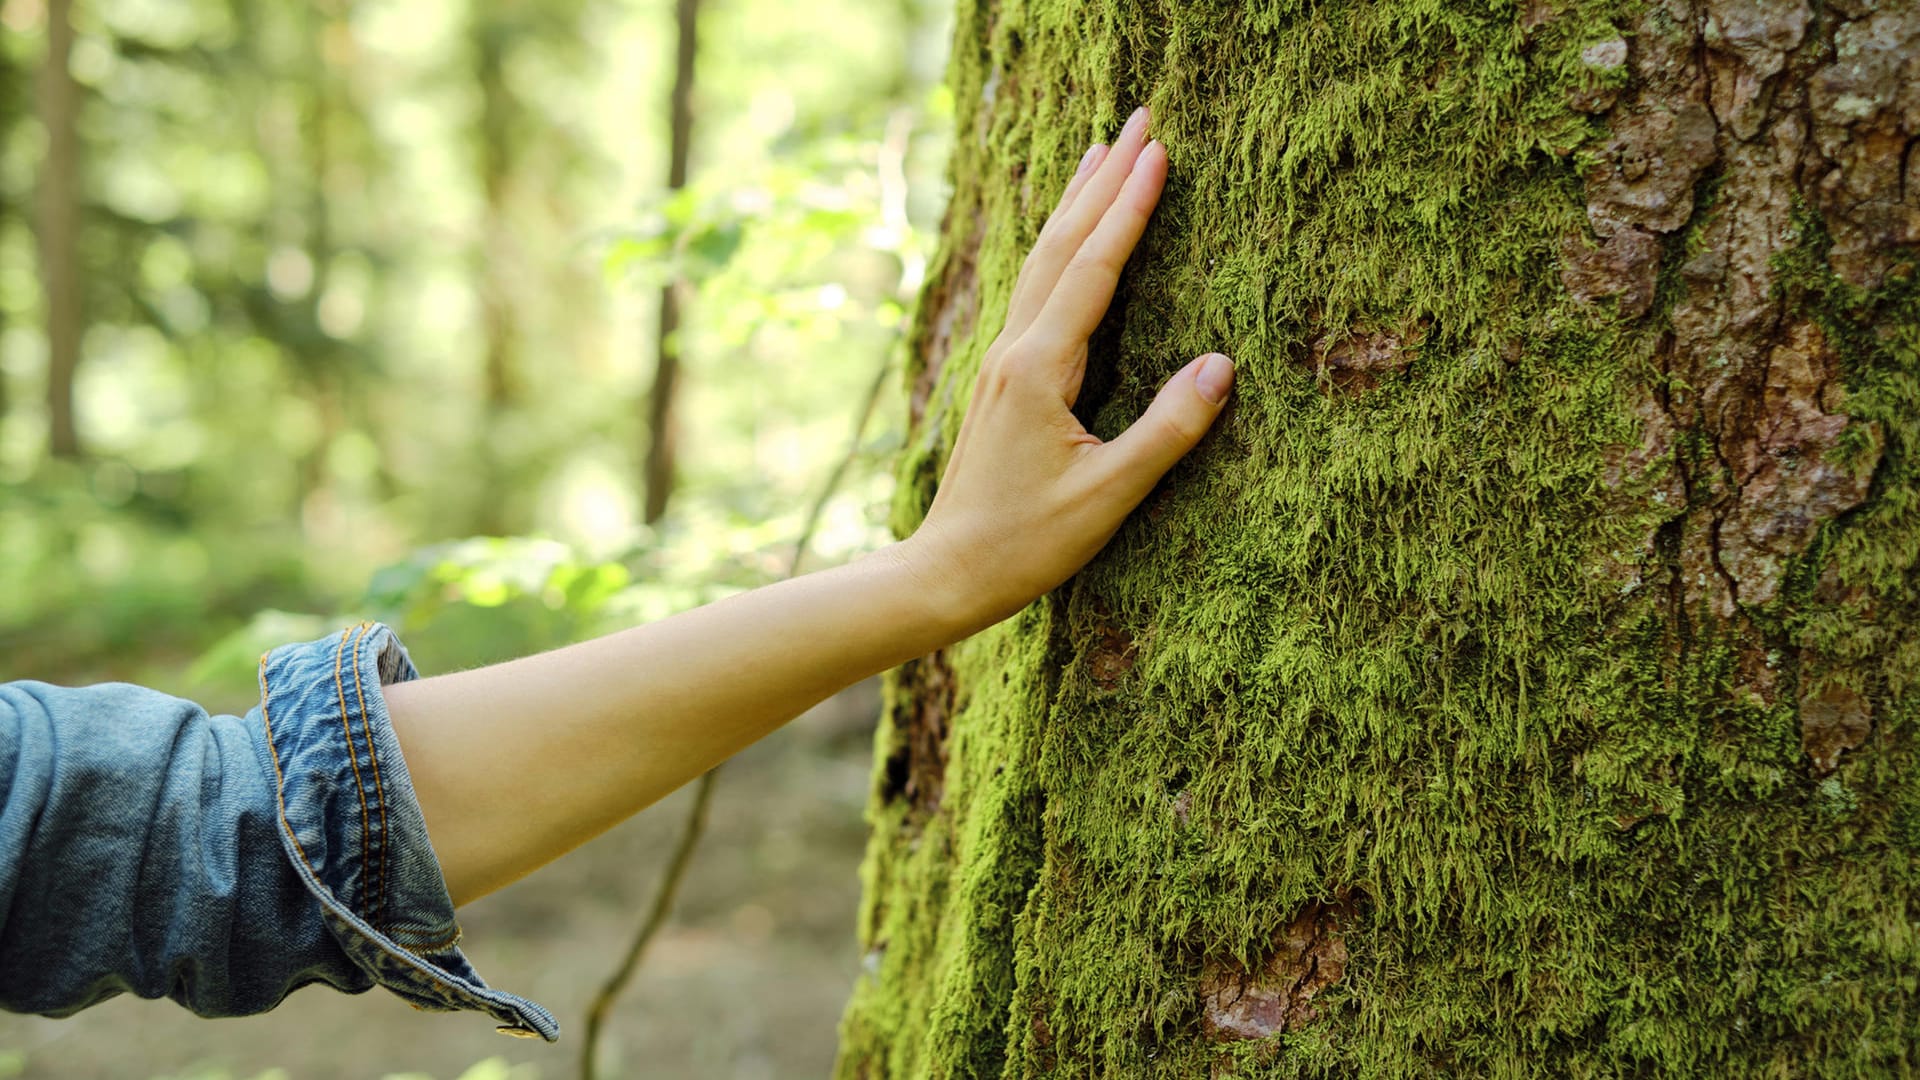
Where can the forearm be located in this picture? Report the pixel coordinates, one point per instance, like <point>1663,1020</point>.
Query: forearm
<point>519,762</point>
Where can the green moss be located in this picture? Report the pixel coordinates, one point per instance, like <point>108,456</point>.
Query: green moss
<point>1370,653</point>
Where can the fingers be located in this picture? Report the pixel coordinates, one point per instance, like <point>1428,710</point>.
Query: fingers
<point>1089,163</point>
<point>1024,304</point>
<point>1071,224</point>
<point>1079,299</point>
<point>1180,415</point>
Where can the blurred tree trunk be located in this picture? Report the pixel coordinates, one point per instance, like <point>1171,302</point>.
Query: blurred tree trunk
<point>496,304</point>
<point>492,39</point>
<point>59,195</point>
<point>321,354</point>
<point>662,422</point>
<point>9,111</point>
<point>1520,680</point>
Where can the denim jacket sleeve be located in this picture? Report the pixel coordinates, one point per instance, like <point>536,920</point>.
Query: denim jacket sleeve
<point>221,861</point>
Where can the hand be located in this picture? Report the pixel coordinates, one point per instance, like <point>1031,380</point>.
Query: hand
<point>518,762</point>
<point>1029,496</point>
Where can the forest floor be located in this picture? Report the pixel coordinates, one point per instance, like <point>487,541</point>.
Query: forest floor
<point>747,981</point>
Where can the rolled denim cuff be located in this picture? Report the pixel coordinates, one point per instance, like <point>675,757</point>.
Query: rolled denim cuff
<point>351,826</point>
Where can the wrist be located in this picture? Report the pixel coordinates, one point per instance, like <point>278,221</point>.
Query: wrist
<point>939,586</point>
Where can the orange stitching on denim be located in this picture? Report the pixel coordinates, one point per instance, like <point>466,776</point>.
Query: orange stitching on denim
<point>353,757</point>
<point>380,792</point>
<point>439,980</point>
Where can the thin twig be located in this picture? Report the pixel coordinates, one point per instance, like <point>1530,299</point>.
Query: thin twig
<point>656,918</point>
<point>696,822</point>
<point>839,472</point>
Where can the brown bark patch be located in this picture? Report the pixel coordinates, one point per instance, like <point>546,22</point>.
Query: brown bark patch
<point>1660,140</point>
<point>1042,1031</point>
<point>1605,55</point>
<point>1601,58</point>
<point>1112,657</point>
<point>1833,719</point>
<point>1748,43</point>
<point>1534,15</point>
<point>1625,265</point>
<point>1356,358</point>
<point>1787,484</point>
<point>916,770</point>
<point>1783,105</point>
<point>1043,1039</point>
<point>1756,670</point>
<point>1649,165</point>
<point>1112,650</point>
<point>1309,955</point>
<point>1865,108</point>
<point>1182,806</point>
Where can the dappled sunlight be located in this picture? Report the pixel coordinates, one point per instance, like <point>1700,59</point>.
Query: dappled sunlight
<point>369,294</point>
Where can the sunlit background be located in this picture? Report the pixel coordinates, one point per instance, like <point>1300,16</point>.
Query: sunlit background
<point>341,309</point>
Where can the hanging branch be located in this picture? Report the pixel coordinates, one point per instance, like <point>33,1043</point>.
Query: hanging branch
<point>696,822</point>
<point>690,834</point>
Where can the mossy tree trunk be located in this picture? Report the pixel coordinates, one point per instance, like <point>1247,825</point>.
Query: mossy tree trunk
<point>1521,679</point>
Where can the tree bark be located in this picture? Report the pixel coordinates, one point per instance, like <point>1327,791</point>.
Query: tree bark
<point>662,421</point>
<point>1520,680</point>
<point>59,234</point>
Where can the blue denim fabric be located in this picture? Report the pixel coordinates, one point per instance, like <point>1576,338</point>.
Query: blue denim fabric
<point>147,847</point>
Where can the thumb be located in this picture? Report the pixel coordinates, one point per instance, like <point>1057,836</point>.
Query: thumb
<point>1180,415</point>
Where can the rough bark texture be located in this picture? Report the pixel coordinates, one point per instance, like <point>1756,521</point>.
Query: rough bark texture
<point>1521,678</point>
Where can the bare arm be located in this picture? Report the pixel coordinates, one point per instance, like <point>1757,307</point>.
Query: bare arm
<point>517,763</point>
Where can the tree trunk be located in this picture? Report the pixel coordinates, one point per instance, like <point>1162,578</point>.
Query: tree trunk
<point>10,94</point>
<point>320,356</point>
<point>1520,680</point>
<point>662,419</point>
<point>59,194</point>
<point>498,264</point>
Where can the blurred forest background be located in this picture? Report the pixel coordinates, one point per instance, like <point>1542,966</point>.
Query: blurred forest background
<point>343,309</point>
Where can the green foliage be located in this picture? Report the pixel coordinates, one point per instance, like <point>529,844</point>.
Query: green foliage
<point>1354,651</point>
<point>305,229</point>
<point>487,599</point>
<point>493,599</point>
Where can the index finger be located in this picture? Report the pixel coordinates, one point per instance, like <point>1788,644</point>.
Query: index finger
<point>1080,299</point>
<point>1068,229</point>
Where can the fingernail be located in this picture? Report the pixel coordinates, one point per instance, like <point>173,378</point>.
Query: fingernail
<point>1086,159</point>
<point>1138,121</point>
<point>1213,378</point>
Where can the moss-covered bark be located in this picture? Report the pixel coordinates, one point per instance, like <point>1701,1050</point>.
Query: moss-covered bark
<point>1521,680</point>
